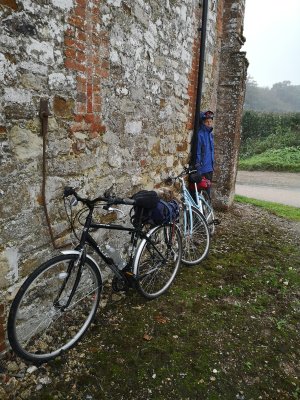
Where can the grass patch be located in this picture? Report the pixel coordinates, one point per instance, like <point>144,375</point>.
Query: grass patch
<point>289,212</point>
<point>285,159</point>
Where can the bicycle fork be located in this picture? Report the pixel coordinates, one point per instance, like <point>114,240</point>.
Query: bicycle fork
<point>66,276</point>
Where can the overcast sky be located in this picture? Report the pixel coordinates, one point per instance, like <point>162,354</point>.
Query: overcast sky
<point>272,31</point>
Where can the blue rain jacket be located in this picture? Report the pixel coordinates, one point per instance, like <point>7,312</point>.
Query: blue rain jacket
<point>205,150</point>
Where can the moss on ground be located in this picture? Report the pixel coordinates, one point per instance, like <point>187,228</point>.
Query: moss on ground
<point>227,329</point>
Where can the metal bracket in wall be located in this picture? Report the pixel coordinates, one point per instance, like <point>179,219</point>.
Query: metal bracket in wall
<point>44,114</point>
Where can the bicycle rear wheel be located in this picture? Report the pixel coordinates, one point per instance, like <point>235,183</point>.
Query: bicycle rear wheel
<point>157,260</point>
<point>208,212</point>
<point>195,236</point>
<point>39,327</point>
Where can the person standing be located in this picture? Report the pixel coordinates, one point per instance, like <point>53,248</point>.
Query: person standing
<point>204,161</point>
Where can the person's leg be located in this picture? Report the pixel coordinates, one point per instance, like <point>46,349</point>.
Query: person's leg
<point>193,194</point>
<point>209,176</point>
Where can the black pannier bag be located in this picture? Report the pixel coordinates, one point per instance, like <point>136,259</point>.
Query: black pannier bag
<point>149,209</point>
<point>146,199</point>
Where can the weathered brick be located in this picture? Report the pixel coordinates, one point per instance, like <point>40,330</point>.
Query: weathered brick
<point>77,22</point>
<point>89,118</point>
<point>63,107</point>
<point>70,53</point>
<point>80,35</point>
<point>9,3</point>
<point>80,11</point>
<point>2,310</point>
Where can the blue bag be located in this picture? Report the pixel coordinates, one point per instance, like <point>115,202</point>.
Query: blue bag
<point>164,212</point>
<point>153,212</point>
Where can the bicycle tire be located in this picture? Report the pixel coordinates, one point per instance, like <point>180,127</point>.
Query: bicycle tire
<point>156,270</point>
<point>195,236</point>
<point>208,212</point>
<point>39,330</point>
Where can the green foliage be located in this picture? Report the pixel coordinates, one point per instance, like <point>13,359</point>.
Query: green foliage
<point>252,146</point>
<point>263,124</point>
<point>282,97</point>
<point>270,141</point>
<point>289,212</point>
<point>286,159</point>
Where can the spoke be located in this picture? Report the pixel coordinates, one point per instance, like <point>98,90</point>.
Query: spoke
<point>34,331</point>
<point>55,316</point>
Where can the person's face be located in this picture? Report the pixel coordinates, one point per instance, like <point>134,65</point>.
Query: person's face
<point>208,122</point>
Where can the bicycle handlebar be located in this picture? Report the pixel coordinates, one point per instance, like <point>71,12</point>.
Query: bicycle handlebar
<point>185,171</point>
<point>69,191</point>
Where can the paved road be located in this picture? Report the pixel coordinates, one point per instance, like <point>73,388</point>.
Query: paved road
<point>280,187</point>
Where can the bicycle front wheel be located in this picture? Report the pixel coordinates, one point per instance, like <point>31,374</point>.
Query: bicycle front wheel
<point>41,323</point>
<point>157,260</point>
<point>195,236</point>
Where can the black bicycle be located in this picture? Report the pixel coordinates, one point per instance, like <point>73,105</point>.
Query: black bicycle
<point>58,301</point>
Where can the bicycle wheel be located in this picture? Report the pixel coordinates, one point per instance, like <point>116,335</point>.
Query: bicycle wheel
<point>157,260</point>
<point>39,327</point>
<point>208,212</point>
<point>195,236</point>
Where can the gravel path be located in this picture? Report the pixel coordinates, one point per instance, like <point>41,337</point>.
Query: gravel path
<point>280,187</point>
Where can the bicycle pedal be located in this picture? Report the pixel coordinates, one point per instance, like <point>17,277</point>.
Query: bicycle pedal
<point>216,221</point>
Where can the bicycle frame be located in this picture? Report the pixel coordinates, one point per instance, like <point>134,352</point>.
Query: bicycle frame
<point>200,201</point>
<point>188,202</point>
<point>86,238</point>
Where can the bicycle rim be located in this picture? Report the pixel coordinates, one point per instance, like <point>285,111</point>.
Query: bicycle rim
<point>40,329</point>
<point>157,262</point>
<point>195,236</point>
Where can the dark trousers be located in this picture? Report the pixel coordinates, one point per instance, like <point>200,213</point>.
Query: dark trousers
<point>208,175</point>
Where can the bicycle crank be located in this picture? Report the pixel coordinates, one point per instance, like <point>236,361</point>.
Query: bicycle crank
<point>119,285</point>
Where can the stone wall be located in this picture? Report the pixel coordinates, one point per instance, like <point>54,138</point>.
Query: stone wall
<point>119,77</point>
<point>230,99</point>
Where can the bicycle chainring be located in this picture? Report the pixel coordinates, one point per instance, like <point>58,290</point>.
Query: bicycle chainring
<point>119,285</point>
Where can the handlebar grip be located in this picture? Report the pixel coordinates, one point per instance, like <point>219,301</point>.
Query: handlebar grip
<point>119,200</point>
<point>168,180</point>
<point>129,202</point>
<point>68,191</point>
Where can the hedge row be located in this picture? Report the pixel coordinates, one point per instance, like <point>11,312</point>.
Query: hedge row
<point>261,124</point>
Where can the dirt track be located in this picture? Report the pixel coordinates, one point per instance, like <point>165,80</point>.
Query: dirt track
<point>280,187</point>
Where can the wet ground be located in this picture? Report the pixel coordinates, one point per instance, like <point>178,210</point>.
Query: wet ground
<point>227,329</point>
<point>279,187</point>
